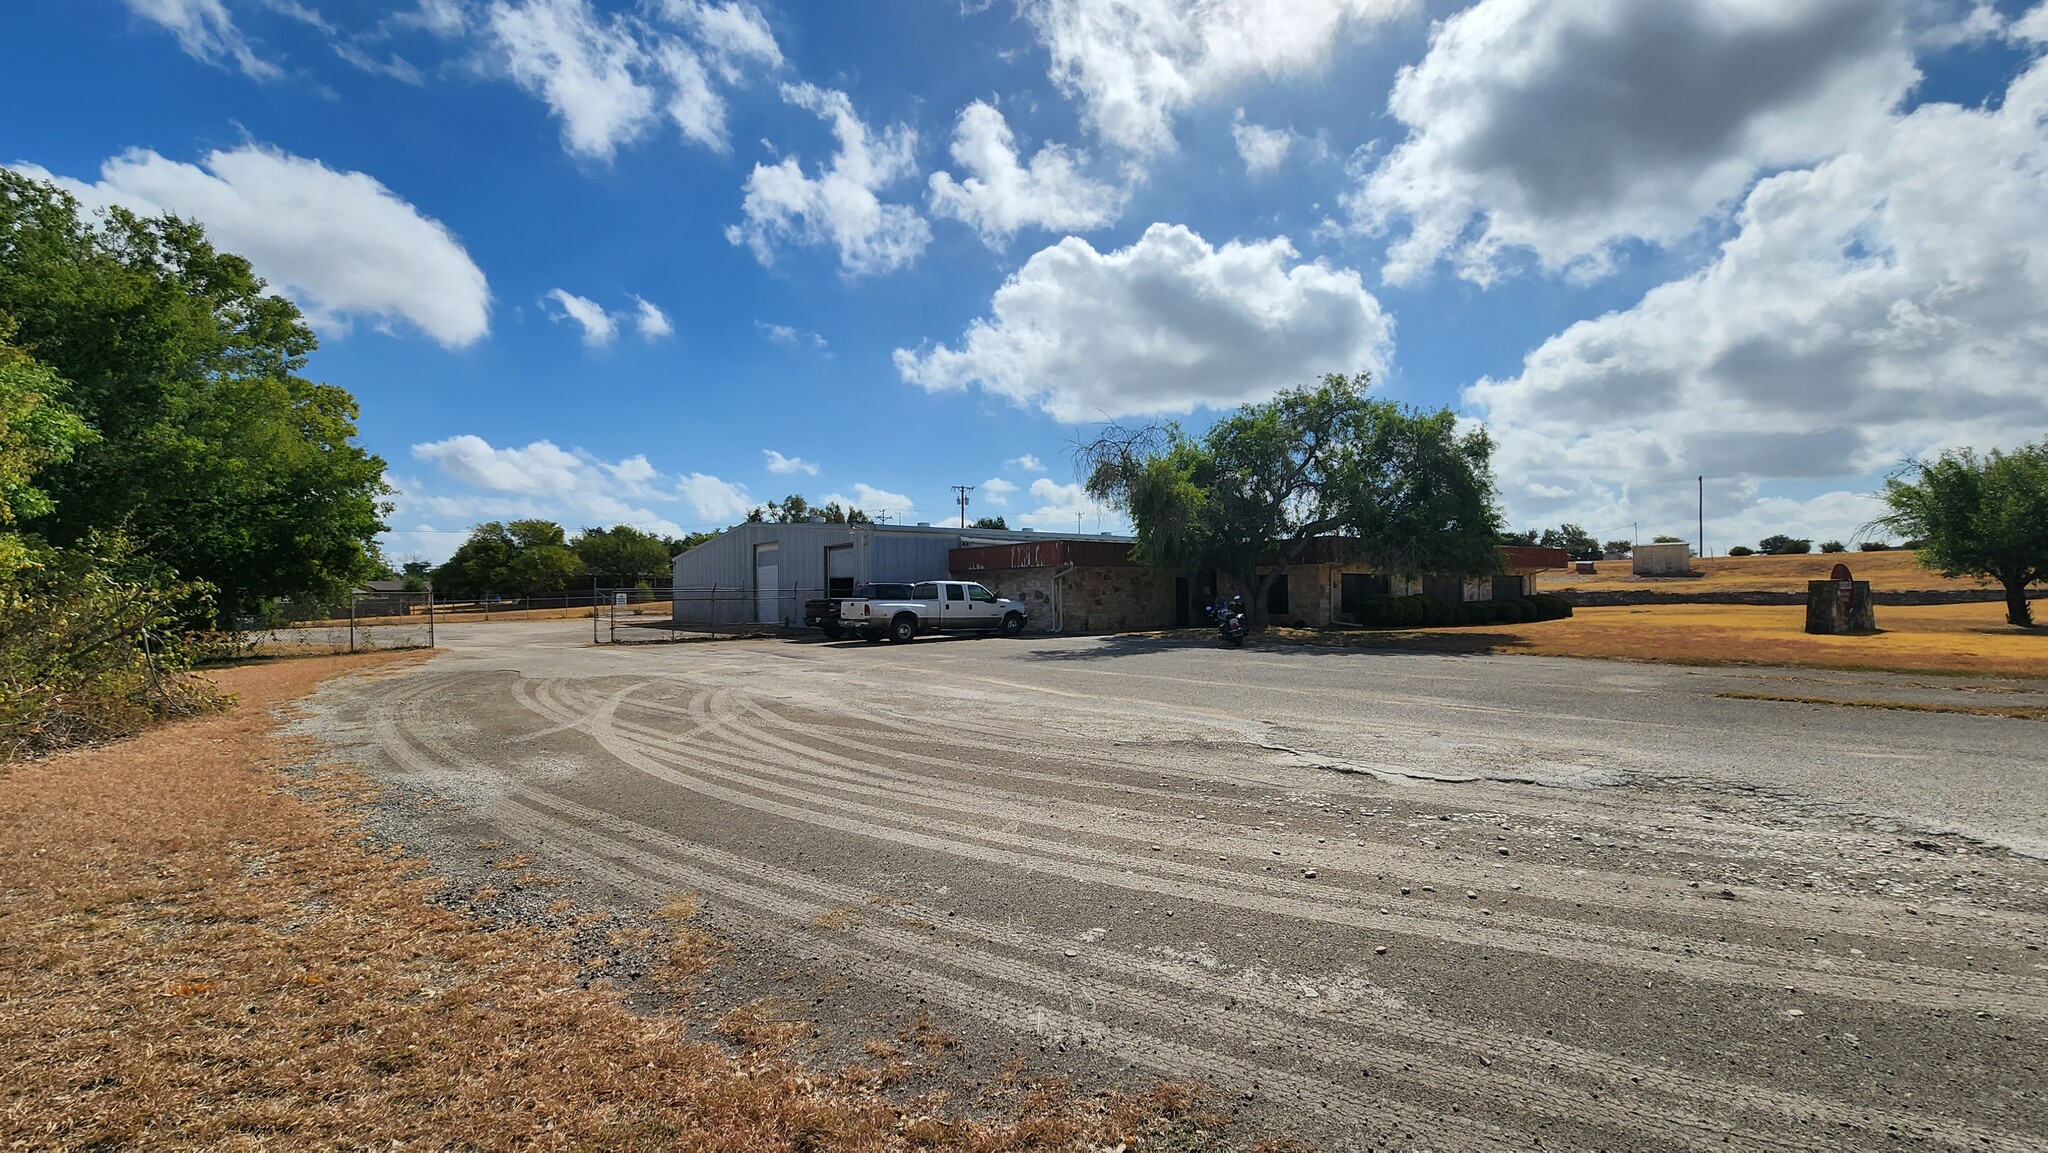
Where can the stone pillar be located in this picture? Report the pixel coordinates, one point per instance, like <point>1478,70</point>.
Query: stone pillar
<point>1839,606</point>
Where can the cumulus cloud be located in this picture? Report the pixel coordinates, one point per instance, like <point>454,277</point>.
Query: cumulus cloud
<point>1068,508</point>
<point>785,334</point>
<point>340,244</point>
<point>1167,325</point>
<point>1001,196</point>
<point>1134,64</point>
<point>736,35</point>
<point>998,491</point>
<point>572,487</point>
<point>1563,129</point>
<point>205,31</point>
<point>609,78</point>
<point>650,321</point>
<point>1262,149</point>
<point>784,465</point>
<point>839,206</point>
<point>583,66</point>
<point>598,325</point>
<point>1027,462</point>
<point>877,502</point>
<point>1880,305</point>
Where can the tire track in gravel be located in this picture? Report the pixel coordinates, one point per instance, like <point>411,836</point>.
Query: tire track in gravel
<point>554,819</point>
<point>784,791</point>
<point>1540,879</point>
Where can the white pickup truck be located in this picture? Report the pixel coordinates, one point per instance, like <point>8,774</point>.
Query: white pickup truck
<point>933,606</point>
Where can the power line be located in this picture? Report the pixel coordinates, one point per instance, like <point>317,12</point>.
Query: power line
<point>960,492</point>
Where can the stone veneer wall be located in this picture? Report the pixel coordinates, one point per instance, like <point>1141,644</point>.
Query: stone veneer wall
<point>1098,599</point>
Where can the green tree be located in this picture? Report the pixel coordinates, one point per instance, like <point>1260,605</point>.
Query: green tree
<point>796,509</point>
<point>481,565</point>
<point>1984,516</point>
<point>990,522</point>
<point>1618,547</point>
<point>1778,544</point>
<point>213,454</point>
<point>1405,490</point>
<point>622,555</point>
<point>1575,541</point>
<point>37,429</point>
<point>1665,538</point>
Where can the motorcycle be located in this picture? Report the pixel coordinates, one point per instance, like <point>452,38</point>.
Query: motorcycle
<point>1230,621</point>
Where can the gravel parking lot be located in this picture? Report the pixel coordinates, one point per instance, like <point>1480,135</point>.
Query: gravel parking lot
<point>1374,899</point>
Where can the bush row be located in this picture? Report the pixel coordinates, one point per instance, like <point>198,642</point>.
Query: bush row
<point>1428,612</point>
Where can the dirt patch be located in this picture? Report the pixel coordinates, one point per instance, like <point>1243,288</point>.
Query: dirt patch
<point>200,952</point>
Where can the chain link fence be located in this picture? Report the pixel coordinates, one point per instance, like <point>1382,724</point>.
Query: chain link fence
<point>357,623</point>
<point>641,615</point>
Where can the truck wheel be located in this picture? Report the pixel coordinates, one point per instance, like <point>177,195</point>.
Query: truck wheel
<point>833,632</point>
<point>1013,624</point>
<point>902,629</point>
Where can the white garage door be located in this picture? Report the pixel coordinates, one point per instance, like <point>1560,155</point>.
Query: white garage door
<point>767,584</point>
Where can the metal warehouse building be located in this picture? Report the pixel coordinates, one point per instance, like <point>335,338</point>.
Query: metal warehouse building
<point>761,573</point>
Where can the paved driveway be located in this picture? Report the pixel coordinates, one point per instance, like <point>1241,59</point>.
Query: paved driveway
<point>1372,898</point>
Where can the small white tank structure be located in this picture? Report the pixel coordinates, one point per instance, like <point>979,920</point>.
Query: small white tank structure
<point>1662,559</point>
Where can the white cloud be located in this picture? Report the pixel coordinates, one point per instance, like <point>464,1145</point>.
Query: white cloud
<point>608,78</point>
<point>1165,326</point>
<point>2032,27</point>
<point>340,244</point>
<point>1027,462</point>
<point>998,491</point>
<point>582,66</point>
<point>716,501</point>
<point>570,487</point>
<point>1881,305</point>
<point>598,325</point>
<point>839,206</point>
<point>1564,129</point>
<point>1262,149</point>
<point>650,321</point>
<point>899,508</point>
<point>1068,508</point>
<point>1134,64</point>
<point>784,465</point>
<point>1001,196</point>
<point>784,334</point>
<point>735,34</point>
<point>206,32</point>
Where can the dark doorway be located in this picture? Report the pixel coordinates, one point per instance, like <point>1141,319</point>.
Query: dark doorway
<point>1449,590</point>
<point>1181,614</point>
<point>1354,587</point>
<point>1276,596</point>
<point>1507,588</point>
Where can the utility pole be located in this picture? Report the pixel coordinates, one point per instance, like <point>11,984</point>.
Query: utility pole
<point>960,492</point>
<point>882,517</point>
<point>1703,517</point>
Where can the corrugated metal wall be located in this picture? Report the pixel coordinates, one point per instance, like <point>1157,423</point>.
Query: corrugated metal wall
<point>714,582</point>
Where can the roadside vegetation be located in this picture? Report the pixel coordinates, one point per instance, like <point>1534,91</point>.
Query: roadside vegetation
<point>205,953</point>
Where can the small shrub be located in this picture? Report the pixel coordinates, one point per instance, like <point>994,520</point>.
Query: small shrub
<point>1509,612</point>
<point>1833,546</point>
<point>1481,612</point>
<point>1874,546</point>
<point>1778,544</point>
<point>1742,550</point>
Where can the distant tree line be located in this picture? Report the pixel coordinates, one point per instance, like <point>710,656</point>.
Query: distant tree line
<point>525,557</point>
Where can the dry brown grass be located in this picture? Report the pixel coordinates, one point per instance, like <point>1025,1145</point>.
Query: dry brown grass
<point>196,955</point>
<point>1966,638</point>
<point>1889,571</point>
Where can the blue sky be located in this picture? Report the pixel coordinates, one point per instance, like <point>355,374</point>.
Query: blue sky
<point>655,262</point>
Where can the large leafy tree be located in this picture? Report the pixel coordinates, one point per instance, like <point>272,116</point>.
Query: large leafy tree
<point>1405,490</point>
<point>213,453</point>
<point>622,555</point>
<point>796,509</point>
<point>37,429</point>
<point>521,556</point>
<point>1983,516</point>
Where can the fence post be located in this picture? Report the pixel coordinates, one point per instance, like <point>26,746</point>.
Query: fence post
<point>351,622</point>
<point>430,616</point>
